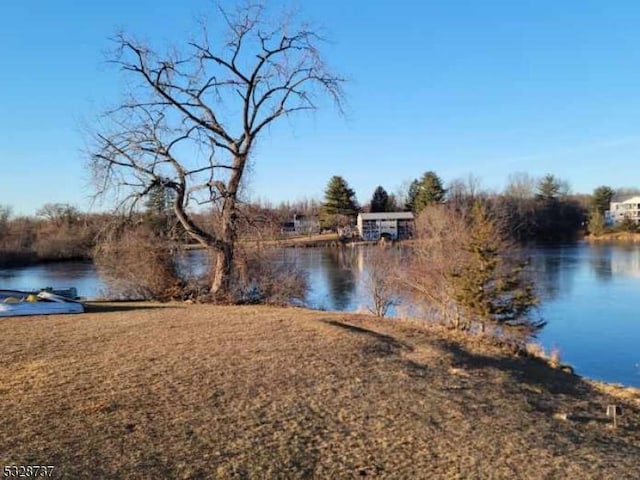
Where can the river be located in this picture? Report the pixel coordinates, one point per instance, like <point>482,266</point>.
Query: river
<point>590,297</point>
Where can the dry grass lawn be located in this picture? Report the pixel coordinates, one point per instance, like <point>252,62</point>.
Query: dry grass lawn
<point>190,391</point>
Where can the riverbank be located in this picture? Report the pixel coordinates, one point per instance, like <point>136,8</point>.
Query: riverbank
<point>626,237</point>
<point>197,391</point>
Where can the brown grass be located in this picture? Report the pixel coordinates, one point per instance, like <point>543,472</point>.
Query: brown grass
<point>198,391</point>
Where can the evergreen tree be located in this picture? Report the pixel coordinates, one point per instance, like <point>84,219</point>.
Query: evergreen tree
<point>339,203</point>
<point>426,191</point>
<point>602,198</point>
<point>380,202</point>
<point>158,210</point>
<point>159,200</point>
<point>495,288</point>
<point>551,187</point>
<point>411,195</point>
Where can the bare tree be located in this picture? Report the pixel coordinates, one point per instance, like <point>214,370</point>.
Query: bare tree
<point>521,185</point>
<point>191,118</point>
<point>379,280</point>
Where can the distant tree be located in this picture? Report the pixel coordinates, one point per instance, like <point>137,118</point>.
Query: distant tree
<point>59,213</point>
<point>550,187</point>
<point>380,202</point>
<point>463,192</point>
<point>5,214</point>
<point>557,215</point>
<point>339,202</point>
<point>596,222</point>
<point>394,205</point>
<point>160,200</point>
<point>601,199</point>
<point>520,185</point>
<point>428,190</point>
<point>159,213</point>
<point>412,194</point>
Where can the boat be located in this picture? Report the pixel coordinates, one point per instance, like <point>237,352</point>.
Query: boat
<point>15,303</point>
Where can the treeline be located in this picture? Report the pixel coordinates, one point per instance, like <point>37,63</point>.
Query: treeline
<point>532,209</point>
<point>57,232</point>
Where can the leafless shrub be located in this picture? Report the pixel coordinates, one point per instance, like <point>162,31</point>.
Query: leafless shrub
<point>267,276</point>
<point>379,280</point>
<point>427,268</point>
<point>138,264</point>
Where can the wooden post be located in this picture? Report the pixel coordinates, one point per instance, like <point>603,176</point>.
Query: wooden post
<point>613,411</point>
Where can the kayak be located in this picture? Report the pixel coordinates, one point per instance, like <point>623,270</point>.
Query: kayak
<point>15,303</point>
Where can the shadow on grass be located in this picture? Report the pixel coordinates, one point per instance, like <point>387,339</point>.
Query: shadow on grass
<point>386,345</point>
<point>107,307</point>
<point>527,370</point>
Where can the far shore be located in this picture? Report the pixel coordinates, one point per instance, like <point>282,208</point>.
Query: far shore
<point>626,237</point>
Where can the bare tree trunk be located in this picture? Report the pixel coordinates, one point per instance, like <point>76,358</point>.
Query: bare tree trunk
<point>221,283</point>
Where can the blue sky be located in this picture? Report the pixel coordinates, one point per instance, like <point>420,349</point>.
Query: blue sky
<point>458,87</point>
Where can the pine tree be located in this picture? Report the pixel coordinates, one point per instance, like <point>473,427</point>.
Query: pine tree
<point>380,202</point>
<point>159,200</point>
<point>158,209</point>
<point>494,288</point>
<point>550,187</point>
<point>339,203</point>
<point>601,200</point>
<point>426,191</point>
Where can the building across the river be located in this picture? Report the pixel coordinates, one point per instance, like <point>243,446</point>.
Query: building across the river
<point>624,208</point>
<point>391,225</point>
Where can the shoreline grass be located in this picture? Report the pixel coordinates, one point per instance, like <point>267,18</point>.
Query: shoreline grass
<point>145,390</point>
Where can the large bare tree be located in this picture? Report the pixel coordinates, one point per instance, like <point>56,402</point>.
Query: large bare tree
<point>190,118</point>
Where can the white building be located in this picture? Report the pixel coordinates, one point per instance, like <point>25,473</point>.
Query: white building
<point>393,225</point>
<point>624,208</point>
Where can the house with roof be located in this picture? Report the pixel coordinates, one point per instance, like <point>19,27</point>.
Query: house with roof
<point>392,225</point>
<point>623,207</point>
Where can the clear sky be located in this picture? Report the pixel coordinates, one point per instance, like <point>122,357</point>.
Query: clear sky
<point>484,87</point>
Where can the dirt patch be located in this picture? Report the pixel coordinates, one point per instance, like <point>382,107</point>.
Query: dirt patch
<point>175,391</point>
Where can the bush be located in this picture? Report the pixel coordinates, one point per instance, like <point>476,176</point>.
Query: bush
<point>138,264</point>
<point>379,281</point>
<point>264,276</point>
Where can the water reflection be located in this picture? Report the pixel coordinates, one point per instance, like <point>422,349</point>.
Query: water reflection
<point>625,260</point>
<point>553,270</point>
<point>339,270</point>
<point>601,262</point>
<point>81,275</point>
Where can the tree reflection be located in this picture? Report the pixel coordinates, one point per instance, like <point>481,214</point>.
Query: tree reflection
<point>554,270</point>
<point>339,266</point>
<point>601,262</point>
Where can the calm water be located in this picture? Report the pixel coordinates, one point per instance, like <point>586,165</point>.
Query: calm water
<point>591,297</point>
